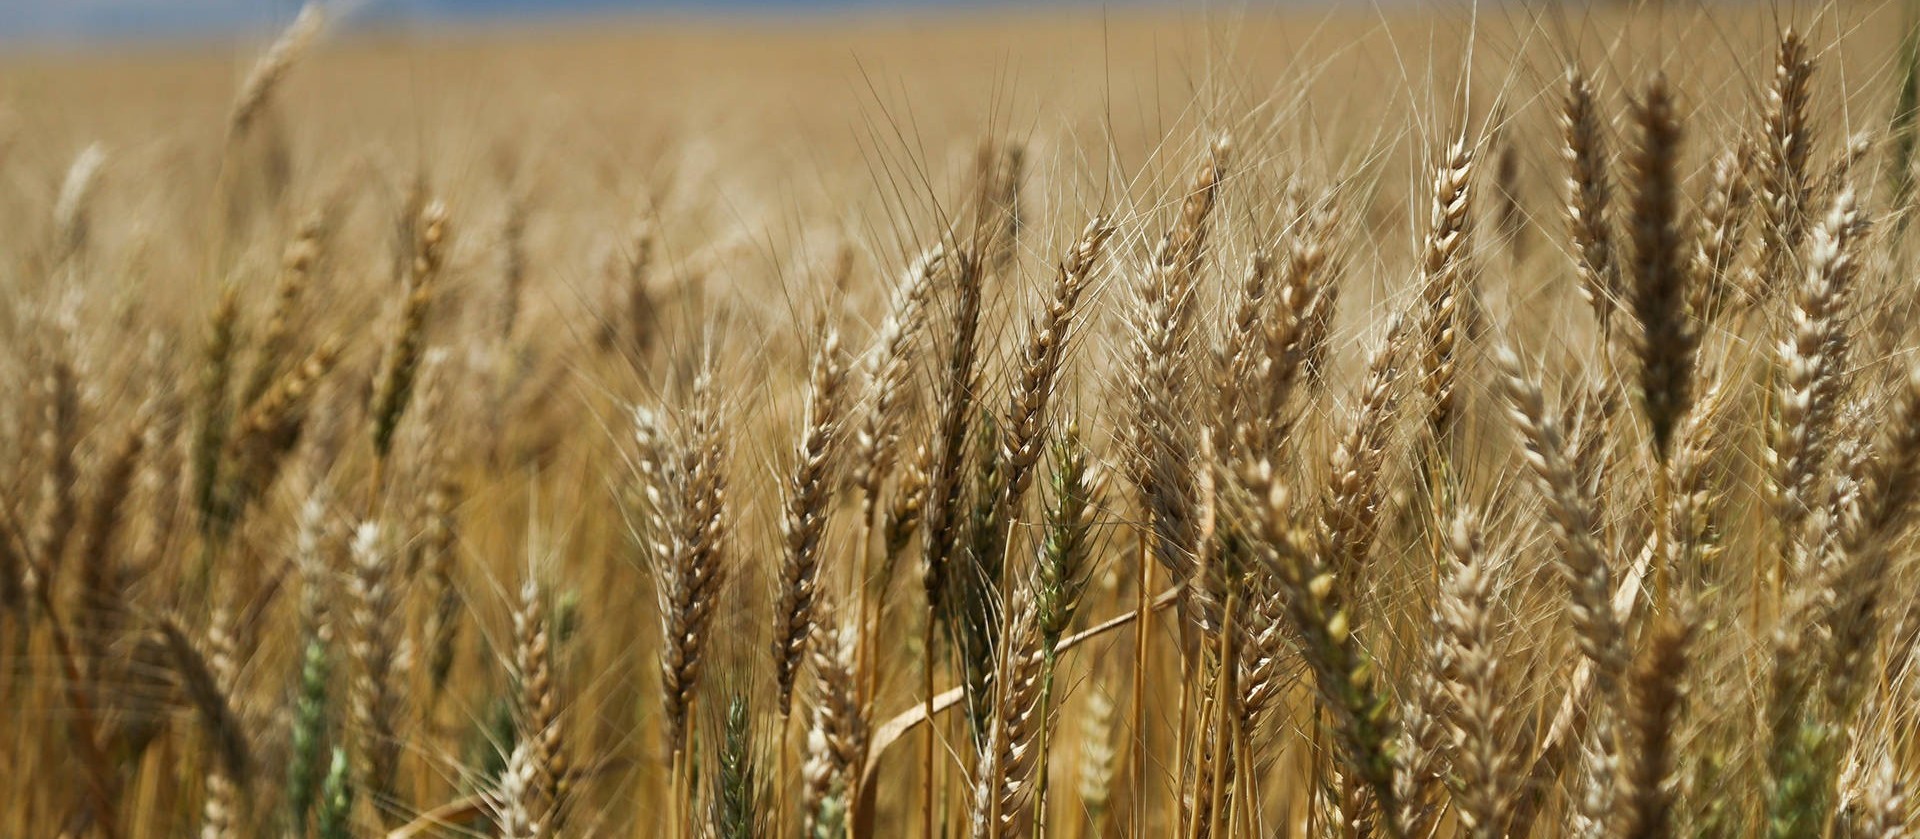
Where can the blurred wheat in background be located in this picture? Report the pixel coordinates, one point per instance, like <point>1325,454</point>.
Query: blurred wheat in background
<point>1211,423</point>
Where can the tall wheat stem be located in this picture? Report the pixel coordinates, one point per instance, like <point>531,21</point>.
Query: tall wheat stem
<point>1048,659</point>
<point>1224,686</point>
<point>1182,745</point>
<point>780,775</point>
<point>927,744</point>
<point>677,815</point>
<point>1136,731</point>
<point>868,609</point>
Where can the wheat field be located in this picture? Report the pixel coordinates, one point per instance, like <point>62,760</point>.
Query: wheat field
<point>1231,421</point>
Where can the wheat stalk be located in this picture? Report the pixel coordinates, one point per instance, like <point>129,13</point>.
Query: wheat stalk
<point>1573,515</point>
<point>375,704</point>
<point>1667,338</point>
<point>1318,610</point>
<point>1473,714</point>
<point>879,437</point>
<point>1646,780</point>
<point>1812,359</point>
<point>545,802</point>
<point>809,502</point>
<point>393,388</point>
<point>268,72</point>
<point>1351,512</point>
<point>1724,215</point>
<point>1041,356</point>
<point>1785,178</point>
<point>693,549</point>
<point>1589,198</point>
<point>837,739</point>
<point>1443,281</point>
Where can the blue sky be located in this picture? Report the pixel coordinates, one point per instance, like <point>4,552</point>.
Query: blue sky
<point>83,20</point>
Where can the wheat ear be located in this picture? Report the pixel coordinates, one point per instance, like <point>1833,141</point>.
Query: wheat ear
<point>809,502</point>
<point>1658,269</point>
<point>695,554</point>
<point>1318,610</point>
<point>1041,356</point>
<point>545,735</point>
<point>1573,515</point>
<point>1646,779</point>
<point>1589,196</point>
<point>1785,179</point>
<point>1473,714</point>
<point>1812,360</point>
<point>1443,282</point>
<point>376,705</point>
<point>837,739</point>
<point>257,89</point>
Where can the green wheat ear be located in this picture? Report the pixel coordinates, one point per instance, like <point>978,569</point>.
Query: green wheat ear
<point>1062,571</point>
<point>336,800</point>
<point>309,729</point>
<point>737,793</point>
<point>831,823</point>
